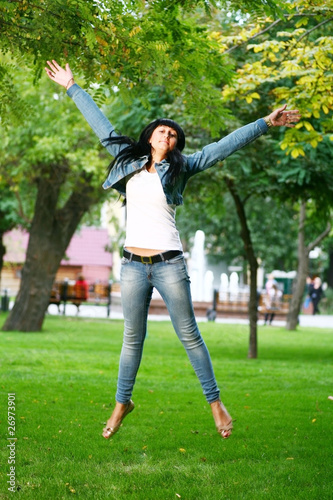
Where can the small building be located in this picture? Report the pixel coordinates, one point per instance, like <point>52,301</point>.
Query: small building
<point>88,254</point>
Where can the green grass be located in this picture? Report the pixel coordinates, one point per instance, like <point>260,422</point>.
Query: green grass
<point>65,379</point>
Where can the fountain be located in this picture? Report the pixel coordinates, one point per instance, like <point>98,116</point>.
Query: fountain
<point>197,267</point>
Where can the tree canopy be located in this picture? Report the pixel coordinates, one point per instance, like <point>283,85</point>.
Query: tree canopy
<point>129,45</point>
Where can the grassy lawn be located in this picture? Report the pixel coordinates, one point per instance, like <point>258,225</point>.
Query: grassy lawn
<point>64,382</point>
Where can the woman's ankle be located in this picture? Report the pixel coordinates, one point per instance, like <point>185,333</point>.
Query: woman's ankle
<point>220,413</point>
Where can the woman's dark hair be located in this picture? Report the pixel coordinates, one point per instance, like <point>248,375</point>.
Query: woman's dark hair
<point>142,147</point>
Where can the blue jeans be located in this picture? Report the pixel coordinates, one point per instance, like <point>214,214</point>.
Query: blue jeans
<point>171,280</point>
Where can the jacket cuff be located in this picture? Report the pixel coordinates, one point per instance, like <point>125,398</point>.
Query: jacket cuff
<point>72,89</point>
<point>261,123</point>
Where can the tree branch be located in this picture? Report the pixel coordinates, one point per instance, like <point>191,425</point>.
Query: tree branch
<point>306,34</point>
<point>252,37</point>
<point>323,235</point>
<point>274,24</point>
<point>20,208</point>
<point>286,55</point>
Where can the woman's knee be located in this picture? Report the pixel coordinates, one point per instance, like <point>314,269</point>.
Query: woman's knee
<point>191,339</point>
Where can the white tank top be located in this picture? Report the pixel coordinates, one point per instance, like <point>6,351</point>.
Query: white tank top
<point>150,220</point>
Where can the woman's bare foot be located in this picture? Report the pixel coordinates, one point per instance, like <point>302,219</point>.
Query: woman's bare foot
<point>223,420</point>
<point>119,413</point>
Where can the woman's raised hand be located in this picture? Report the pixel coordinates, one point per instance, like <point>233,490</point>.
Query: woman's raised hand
<point>60,75</point>
<point>284,118</point>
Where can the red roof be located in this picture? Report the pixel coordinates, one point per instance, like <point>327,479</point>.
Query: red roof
<point>87,247</point>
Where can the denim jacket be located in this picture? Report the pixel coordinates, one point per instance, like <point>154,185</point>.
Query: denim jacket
<point>194,163</point>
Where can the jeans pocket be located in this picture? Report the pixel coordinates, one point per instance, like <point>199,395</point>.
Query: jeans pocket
<point>178,265</point>
<point>176,260</point>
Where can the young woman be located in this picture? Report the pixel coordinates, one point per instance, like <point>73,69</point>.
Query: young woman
<point>152,174</point>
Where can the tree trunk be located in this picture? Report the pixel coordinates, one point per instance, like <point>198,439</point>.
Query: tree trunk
<point>253,308</point>
<point>330,270</point>
<point>253,263</point>
<point>302,269</point>
<point>50,234</point>
<point>302,273</point>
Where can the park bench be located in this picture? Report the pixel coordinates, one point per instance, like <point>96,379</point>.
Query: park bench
<point>281,312</point>
<point>64,292</point>
<point>237,305</point>
<point>101,294</point>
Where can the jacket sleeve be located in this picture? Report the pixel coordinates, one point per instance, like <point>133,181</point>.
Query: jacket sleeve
<point>218,151</point>
<point>95,118</point>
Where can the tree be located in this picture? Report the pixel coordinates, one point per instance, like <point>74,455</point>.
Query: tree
<point>50,233</point>
<point>55,154</point>
<point>304,250</point>
<point>293,66</point>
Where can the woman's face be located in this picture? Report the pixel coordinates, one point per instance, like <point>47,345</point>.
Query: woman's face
<point>163,139</point>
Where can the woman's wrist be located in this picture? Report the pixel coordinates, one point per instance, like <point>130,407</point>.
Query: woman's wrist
<point>70,83</point>
<point>268,121</point>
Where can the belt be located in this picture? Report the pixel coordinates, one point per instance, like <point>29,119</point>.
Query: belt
<point>160,257</point>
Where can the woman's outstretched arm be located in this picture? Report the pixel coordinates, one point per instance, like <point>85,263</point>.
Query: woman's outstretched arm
<point>84,102</point>
<point>218,151</point>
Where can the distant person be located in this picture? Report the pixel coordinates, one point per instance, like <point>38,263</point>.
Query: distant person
<point>270,282</point>
<point>307,300</point>
<point>316,293</point>
<point>152,173</point>
<point>81,288</point>
<point>272,303</point>
<point>309,283</point>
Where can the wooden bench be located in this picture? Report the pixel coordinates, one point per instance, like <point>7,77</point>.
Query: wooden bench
<point>238,306</point>
<point>281,312</point>
<point>101,294</point>
<point>77,294</point>
<point>55,297</point>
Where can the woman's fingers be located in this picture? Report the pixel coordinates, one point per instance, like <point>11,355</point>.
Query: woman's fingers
<point>293,116</point>
<point>56,65</point>
<point>293,113</point>
<point>56,68</point>
<point>52,67</point>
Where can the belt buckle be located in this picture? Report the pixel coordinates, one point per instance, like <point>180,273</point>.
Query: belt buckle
<point>149,261</point>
